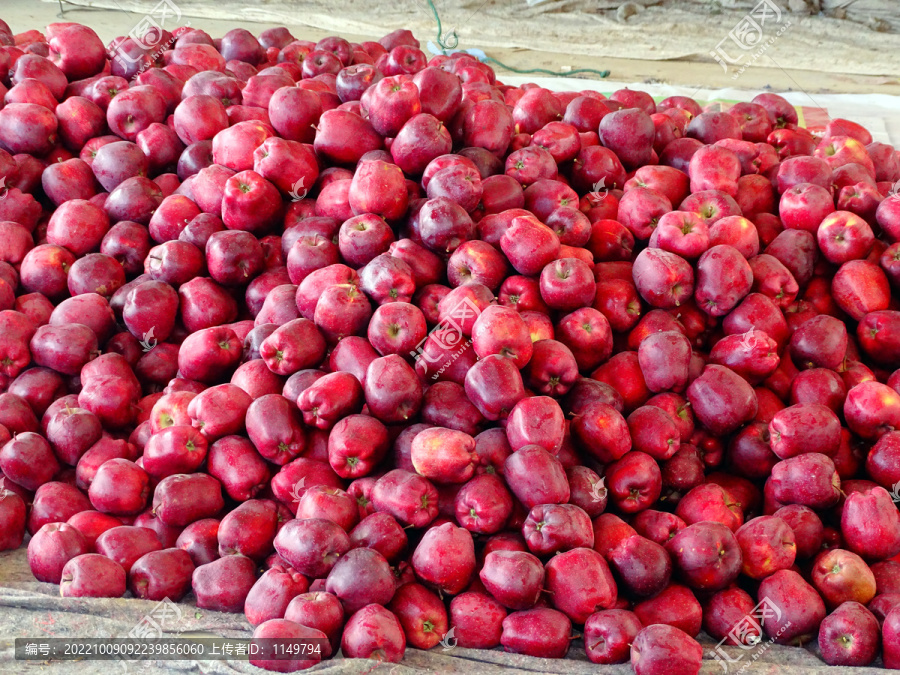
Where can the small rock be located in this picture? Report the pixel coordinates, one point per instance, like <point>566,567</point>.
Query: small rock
<point>627,10</point>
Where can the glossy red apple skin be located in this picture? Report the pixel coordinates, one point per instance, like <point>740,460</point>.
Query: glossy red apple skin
<point>721,399</point>
<point>878,537</point>
<point>477,618</point>
<point>521,468</point>
<point>630,134</point>
<point>642,565</point>
<point>27,128</point>
<point>664,359</point>
<point>761,557</point>
<point>818,342</point>
<point>529,245</point>
<point>663,279</point>
<point>801,605</point>
<point>514,578</point>
<point>609,634</point>
<point>51,548</point>
<point>706,555</point>
<point>659,648</point>
<point>537,632</point>
<point>849,636</point>
<point>634,482</point>
<point>502,331</point>
<point>710,127</point>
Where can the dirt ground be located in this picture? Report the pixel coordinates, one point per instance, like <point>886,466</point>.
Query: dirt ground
<point>665,41</point>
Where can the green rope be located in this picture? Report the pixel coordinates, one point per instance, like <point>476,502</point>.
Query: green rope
<point>599,73</point>
<point>451,41</point>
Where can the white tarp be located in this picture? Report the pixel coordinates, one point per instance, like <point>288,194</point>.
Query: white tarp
<point>879,113</point>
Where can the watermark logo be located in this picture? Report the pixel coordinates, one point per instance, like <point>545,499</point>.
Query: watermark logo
<point>3,189</point>
<point>747,635</point>
<point>895,492</point>
<point>598,192</point>
<point>149,31</point>
<point>748,341</point>
<point>377,665</point>
<point>598,490</point>
<point>448,640</point>
<point>447,336</point>
<point>298,490</point>
<point>749,34</point>
<point>148,35</point>
<point>154,623</point>
<point>298,191</point>
<point>147,341</point>
<point>164,617</point>
<point>893,192</point>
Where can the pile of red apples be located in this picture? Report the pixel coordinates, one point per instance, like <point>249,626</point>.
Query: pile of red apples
<point>379,351</point>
